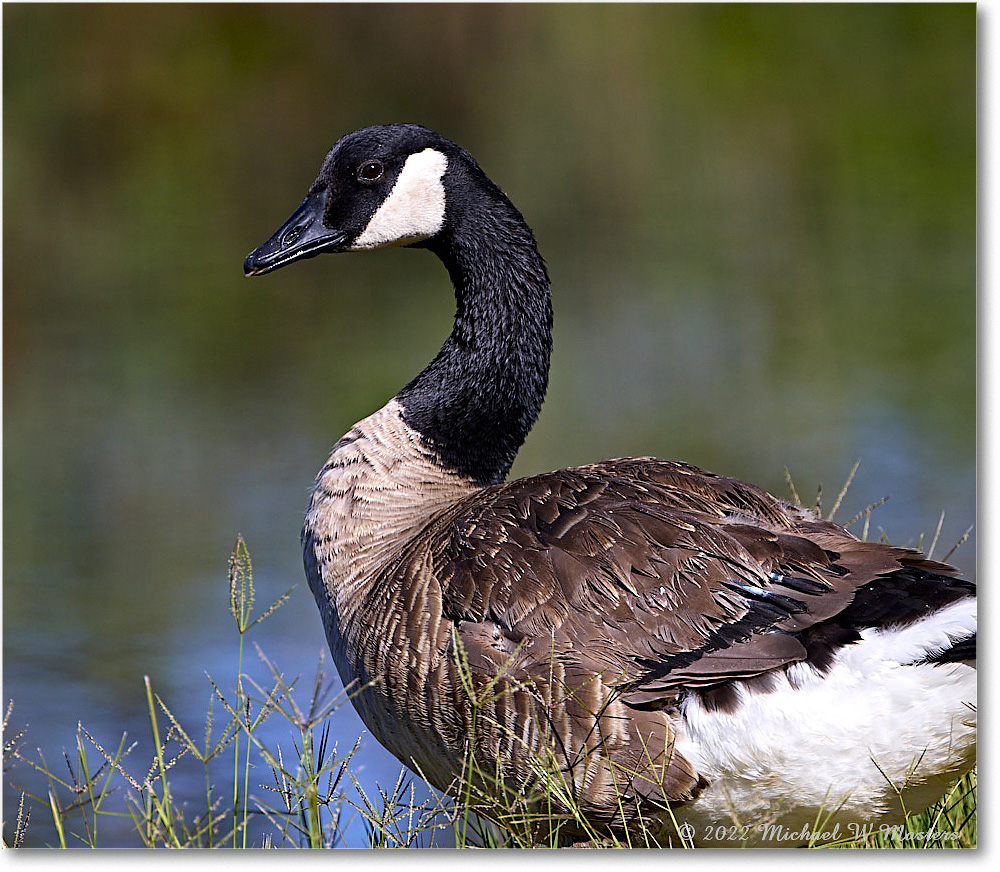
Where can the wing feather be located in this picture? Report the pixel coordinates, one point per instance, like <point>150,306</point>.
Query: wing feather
<point>660,562</point>
<point>632,582</point>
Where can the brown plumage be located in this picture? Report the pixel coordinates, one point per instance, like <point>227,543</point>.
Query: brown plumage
<point>594,588</point>
<point>681,645</point>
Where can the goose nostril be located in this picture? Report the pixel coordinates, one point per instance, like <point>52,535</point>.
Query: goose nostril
<point>293,233</point>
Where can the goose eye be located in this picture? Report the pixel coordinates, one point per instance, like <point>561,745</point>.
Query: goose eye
<point>370,171</point>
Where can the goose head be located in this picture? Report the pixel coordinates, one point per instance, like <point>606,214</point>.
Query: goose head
<point>402,184</point>
<point>395,184</point>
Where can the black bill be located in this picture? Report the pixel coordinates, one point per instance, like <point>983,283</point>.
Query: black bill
<point>302,235</point>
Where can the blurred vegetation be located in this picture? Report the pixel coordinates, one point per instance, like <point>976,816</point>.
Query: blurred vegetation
<point>759,220</point>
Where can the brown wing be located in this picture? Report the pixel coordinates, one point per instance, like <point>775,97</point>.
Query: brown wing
<point>633,580</point>
<point>655,570</point>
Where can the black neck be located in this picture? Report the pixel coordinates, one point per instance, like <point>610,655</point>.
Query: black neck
<point>476,401</point>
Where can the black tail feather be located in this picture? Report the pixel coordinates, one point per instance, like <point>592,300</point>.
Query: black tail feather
<point>962,650</point>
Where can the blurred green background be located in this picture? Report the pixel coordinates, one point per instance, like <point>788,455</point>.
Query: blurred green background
<point>760,223</point>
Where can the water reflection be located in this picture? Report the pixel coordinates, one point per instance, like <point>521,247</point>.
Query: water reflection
<point>760,224</point>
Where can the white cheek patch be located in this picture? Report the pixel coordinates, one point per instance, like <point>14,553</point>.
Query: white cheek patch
<point>414,209</point>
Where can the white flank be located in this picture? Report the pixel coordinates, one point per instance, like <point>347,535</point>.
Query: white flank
<point>822,745</point>
<point>414,209</point>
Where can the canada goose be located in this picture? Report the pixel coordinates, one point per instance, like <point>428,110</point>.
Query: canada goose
<point>693,650</point>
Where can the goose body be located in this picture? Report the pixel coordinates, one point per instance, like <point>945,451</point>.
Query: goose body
<point>702,661</point>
